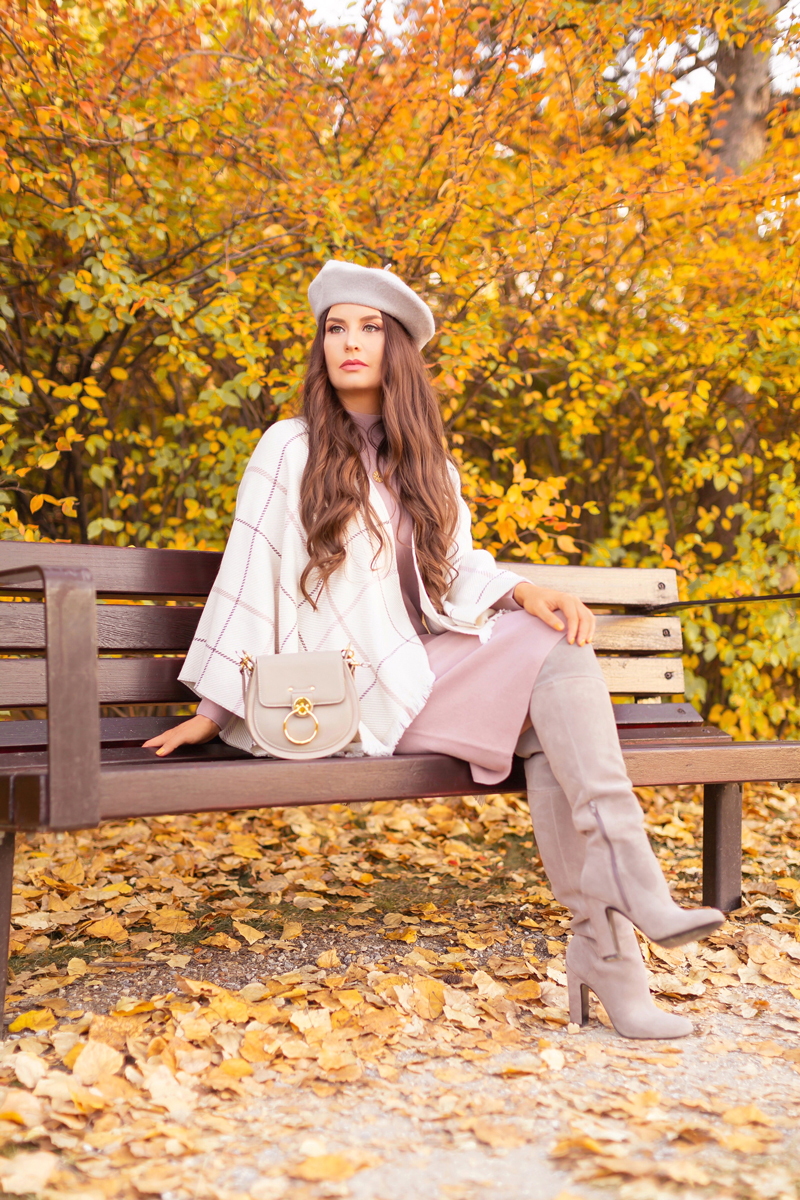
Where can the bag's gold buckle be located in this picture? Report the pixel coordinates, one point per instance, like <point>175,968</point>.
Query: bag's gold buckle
<point>302,706</point>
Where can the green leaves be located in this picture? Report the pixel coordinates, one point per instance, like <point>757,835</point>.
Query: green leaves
<point>618,342</point>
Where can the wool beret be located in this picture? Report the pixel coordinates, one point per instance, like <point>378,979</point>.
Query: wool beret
<point>347,283</point>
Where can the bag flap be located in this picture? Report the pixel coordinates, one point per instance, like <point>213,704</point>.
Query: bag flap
<point>282,677</point>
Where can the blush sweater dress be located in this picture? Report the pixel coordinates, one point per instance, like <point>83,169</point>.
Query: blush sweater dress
<point>482,690</point>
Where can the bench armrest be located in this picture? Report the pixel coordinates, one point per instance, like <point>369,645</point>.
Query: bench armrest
<point>73,713</point>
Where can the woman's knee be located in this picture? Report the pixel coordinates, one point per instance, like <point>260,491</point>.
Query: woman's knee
<point>567,661</point>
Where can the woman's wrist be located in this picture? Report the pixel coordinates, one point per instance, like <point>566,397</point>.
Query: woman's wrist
<point>209,722</point>
<point>523,589</point>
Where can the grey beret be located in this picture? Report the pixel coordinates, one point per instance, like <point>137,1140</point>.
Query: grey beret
<point>347,283</point>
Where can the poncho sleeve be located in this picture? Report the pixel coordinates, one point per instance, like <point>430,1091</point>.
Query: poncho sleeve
<point>243,610</point>
<point>478,586</point>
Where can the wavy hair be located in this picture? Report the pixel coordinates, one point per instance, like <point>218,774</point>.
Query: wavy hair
<point>412,453</point>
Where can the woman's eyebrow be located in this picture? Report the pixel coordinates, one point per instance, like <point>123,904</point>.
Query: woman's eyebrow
<point>340,320</point>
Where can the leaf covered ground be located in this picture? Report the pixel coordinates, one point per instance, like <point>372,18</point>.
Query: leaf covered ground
<point>370,1001</point>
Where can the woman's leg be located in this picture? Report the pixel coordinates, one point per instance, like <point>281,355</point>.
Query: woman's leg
<point>621,984</point>
<point>573,720</point>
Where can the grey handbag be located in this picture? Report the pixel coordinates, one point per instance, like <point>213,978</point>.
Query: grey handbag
<point>301,706</point>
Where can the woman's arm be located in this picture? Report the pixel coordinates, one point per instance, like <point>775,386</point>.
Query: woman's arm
<point>544,603</point>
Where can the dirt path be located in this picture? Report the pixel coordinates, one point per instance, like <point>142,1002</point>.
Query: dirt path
<point>329,1002</point>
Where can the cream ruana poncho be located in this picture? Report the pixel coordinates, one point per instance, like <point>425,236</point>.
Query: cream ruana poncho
<point>256,605</point>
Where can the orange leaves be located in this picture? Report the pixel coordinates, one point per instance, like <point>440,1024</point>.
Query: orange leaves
<point>178,1069</point>
<point>584,265</point>
<point>108,927</point>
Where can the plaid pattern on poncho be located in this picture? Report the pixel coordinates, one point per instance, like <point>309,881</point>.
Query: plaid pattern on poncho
<point>256,606</point>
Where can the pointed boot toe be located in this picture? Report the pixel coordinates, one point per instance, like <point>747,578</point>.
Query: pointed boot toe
<point>660,919</point>
<point>622,988</point>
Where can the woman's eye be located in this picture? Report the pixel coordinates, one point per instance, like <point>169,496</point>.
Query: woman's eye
<point>335,328</point>
<point>372,328</point>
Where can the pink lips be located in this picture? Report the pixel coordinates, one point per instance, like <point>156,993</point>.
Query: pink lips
<point>352,362</point>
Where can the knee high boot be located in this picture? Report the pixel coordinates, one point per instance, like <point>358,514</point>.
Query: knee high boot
<point>573,720</point>
<point>620,984</point>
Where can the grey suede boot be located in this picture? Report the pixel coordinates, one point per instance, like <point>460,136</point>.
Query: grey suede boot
<point>574,722</point>
<point>620,985</point>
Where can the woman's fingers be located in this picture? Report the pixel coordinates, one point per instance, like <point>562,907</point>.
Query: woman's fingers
<point>580,619</point>
<point>158,740</point>
<point>545,612</point>
<point>550,606</point>
<point>165,743</point>
<point>196,729</point>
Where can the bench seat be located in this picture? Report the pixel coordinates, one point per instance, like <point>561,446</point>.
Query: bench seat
<point>62,650</point>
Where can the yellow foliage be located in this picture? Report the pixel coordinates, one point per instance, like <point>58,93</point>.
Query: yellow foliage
<point>618,343</point>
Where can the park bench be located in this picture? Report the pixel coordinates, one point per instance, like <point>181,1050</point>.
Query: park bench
<point>74,654</point>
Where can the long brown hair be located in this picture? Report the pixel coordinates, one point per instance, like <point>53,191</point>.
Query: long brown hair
<point>414,461</point>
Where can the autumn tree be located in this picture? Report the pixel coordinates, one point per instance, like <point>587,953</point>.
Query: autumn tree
<point>609,250</point>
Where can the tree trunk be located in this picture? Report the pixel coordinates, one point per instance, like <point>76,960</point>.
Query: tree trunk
<point>743,92</point>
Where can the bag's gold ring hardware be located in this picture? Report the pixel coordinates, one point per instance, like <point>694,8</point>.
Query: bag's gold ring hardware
<point>349,656</point>
<point>301,707</point>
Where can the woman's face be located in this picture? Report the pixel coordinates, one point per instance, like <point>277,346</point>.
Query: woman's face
<point>353,347</point>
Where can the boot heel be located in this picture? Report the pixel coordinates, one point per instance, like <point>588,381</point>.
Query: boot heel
<point>603,931</point>
<point>578,999</point>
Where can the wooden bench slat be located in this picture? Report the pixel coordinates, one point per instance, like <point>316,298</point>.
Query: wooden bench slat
<point>132,627</point>
<point>120,627</point>
<point>155,680</point>
<point>633,720</point>
<point>118,571</point>
<point>172,786</point>
<point>133,571</point>
<point>623,633</point>
<point>633,586</point>
<point>640,715</point>
<point>114,731</point>
<point>120,681</point>
<point>643,676</point>
<point>267,783</point>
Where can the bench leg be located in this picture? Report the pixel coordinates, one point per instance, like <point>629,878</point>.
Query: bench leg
<point>6,885</point>
<point>722,845</point>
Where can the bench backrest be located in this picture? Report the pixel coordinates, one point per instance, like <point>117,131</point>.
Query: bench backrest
<point>141,644</point>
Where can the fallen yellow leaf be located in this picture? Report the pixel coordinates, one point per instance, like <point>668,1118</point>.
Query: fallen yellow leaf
<point>746,1114</point>
<point>237,1068</point>
<point>96,1061</point>
<point>71,872</point>
<point>109,928</point>
<point>21,1108</point>
<point>526,989</point>
<point>249,932</point>
<point>324,1168</point>
<point>746,1143</point>
<point>229,1008</point>
<point>37,1019</point>
<point>223,940</point>
<point>172,920</point>
<point>429,997</point>
<point>247,848</point>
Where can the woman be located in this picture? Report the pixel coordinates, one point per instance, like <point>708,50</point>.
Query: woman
<point>350,530</point>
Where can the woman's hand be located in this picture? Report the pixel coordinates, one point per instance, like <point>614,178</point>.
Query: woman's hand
<point>543,603</point>
<point>188,733</point>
